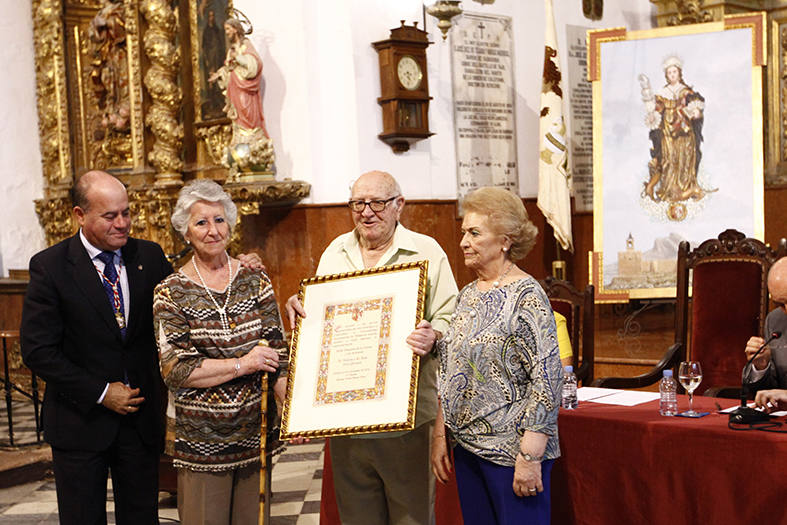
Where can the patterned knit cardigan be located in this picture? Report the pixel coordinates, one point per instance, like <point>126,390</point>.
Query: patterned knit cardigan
<point>216,428</point>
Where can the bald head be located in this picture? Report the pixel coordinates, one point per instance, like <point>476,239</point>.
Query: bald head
<point>95,179</point>
<point>777,281</point>
<point>380,181</point>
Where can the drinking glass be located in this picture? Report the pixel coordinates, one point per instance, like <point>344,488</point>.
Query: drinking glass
<point>690,376</point>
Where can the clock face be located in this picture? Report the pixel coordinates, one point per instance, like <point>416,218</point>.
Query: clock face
<point>409,73</point>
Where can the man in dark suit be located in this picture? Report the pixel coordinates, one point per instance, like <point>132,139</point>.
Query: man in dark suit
<point>769,369</point>
<point>87,330</point>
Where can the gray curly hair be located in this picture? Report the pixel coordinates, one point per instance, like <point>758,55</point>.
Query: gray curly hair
<point>201,190</point>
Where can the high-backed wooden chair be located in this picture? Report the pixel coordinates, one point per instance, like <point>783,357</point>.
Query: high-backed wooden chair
<point>579,309</point>
<point>729,302</point>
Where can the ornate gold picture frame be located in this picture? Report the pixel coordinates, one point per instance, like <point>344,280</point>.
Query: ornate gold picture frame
<point>677,147</point>
<point>351,371</point>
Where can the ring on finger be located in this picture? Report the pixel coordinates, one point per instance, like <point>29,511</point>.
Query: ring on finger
<point>532,490</point>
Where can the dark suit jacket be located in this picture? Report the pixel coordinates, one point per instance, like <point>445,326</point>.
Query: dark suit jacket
<point>776,373</point>
<point>70,338</point>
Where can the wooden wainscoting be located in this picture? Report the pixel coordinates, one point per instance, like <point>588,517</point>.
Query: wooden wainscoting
<point>290,240</point>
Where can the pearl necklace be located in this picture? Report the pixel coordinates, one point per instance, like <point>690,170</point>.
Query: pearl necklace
<point>496,284</point>
<point>225,324</point>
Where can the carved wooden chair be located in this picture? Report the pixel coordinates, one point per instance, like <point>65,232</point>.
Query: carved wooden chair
<point>729,302</point>
<point>579,310</point>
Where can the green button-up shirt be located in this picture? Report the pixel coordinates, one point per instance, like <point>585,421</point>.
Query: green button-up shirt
<point>344,255</point>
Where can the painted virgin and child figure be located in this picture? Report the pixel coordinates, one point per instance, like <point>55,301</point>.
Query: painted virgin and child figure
<point>675,116</point>
<point>240,78</point>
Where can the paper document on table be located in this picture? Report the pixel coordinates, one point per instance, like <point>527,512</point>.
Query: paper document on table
<point>627,398</point>
<point>591,393</point>
<point>751,405</point>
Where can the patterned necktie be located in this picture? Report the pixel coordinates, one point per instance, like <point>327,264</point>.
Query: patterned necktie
<point>111,283</point>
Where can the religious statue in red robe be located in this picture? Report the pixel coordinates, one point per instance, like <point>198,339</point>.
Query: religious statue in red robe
<point>251,150</point>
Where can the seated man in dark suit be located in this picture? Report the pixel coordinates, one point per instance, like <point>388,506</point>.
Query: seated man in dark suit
<point>769,369</point>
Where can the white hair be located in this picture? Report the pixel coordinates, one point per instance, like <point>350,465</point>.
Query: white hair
<point>201,190</point>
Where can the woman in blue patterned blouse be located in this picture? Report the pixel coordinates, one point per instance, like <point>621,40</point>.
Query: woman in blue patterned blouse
<point>500,375</point>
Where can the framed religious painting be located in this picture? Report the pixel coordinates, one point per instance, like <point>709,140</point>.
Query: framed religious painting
<point>677,147</point>
<point>351,370</point>
<point>208,51</point>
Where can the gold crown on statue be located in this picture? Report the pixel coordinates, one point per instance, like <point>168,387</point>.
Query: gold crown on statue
<point>672,60</point>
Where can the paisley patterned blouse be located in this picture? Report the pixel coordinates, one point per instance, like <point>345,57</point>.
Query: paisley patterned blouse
<point>500,372</point>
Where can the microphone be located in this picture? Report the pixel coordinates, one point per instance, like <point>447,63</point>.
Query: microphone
<point>743,414</point>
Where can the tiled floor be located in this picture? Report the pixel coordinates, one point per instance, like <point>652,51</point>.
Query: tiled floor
<point>297,482</point>
<point>24,423</point>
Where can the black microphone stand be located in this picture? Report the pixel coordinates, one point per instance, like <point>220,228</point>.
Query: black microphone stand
<point>744,415</point>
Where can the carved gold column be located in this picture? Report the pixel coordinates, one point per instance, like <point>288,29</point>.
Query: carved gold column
<point>51,91</point>
<point>161,83</point>
<point>52,105</point>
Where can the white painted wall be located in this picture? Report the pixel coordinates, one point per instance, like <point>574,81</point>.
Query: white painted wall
<point>328,114</point>
<point>321,89</point>
<point>20,160</point>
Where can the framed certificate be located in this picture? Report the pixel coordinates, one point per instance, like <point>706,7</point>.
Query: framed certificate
<point>351,371</point>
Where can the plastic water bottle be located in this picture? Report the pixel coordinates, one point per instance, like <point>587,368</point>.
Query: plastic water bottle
<point>569,389</point>
<point>668,389</point>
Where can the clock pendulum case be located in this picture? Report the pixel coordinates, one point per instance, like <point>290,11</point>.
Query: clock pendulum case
<point>404,87</point>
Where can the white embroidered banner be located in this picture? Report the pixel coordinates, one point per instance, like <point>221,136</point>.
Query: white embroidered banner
<point>554,180</point>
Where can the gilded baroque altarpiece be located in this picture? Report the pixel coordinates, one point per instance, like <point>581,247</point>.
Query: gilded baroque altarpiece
<point>118,82</point>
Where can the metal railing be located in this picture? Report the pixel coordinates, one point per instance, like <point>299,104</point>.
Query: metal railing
<point>9,387</point>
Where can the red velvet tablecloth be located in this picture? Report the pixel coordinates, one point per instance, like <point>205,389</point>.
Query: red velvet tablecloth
<point>631,465</point>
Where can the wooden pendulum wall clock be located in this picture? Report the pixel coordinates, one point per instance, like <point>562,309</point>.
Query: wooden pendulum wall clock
<point>404,87</point>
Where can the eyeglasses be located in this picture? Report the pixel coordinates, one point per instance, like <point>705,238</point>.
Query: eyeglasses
<point>375,205</point>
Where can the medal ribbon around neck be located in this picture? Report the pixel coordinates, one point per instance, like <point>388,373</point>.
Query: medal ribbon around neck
<point>115,286</point>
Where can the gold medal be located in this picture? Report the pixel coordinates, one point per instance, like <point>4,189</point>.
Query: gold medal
<point>120,320</point>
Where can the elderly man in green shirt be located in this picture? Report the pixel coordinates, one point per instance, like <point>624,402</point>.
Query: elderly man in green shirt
<point>385,478</point>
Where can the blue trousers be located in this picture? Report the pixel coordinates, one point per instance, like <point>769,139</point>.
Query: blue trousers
<point>486,493</point>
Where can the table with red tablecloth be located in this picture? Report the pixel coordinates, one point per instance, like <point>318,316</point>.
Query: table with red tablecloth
<point>630,465</point>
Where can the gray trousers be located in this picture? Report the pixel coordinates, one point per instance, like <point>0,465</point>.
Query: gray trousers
<point>384,480</point>
<point>219,498</point>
